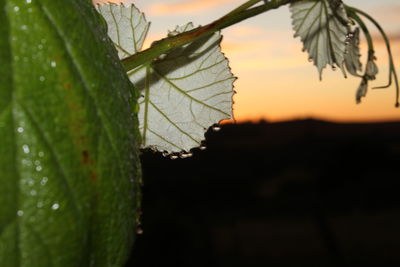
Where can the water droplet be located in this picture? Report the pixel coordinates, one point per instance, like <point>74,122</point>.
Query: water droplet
<point>53,64</point>
<point>20,130</point>
<point>26,149</point>
<point>139,230</point>
<point>31,183</point>
<point>20,213</point>
<point>42,78</point>
<point>44,180</point>
<point>216,128</point>
<point>24,27</point>
<point>28,1</point>
<point>41,154</point>
<point>39,204</point>
<point>173,157</point>
<point>55,206</point>
<point>33,193</point>
<point>16,9</point>
<point>185,155</point>
<point>39,168</point>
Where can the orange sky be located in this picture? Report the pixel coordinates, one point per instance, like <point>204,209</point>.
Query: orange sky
<point>276,81</point>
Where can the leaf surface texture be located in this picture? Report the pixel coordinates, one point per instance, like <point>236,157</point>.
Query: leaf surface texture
<point>322,29</point>
<point>183,93</point>
<point>68,152</point>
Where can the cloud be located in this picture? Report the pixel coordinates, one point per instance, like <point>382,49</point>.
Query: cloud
<point>393,37</point>
<point>182,6</point>
<point>241,31</point>
<point>387,14</point>
<point>251,48</point>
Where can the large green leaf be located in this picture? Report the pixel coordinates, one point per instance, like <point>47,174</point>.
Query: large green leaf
<point>68,154</point>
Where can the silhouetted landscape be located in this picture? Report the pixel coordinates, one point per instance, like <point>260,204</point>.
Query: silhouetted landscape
<point>296,193</point>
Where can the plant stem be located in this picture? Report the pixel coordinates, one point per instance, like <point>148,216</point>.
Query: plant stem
<point>364,28</point>
<point>164,45</point>
<point>392,69</point>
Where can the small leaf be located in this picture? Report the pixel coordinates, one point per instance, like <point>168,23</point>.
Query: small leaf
<point>183,92</point>
<point>352,57</point>
<point>371,70</point>
<point>127,27</point>
<point>362,90</point>
<point>322,28</point>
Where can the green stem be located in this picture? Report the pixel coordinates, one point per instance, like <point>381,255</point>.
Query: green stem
<point>163,46</point>
<point>365,30</point>
<point>392,69</point>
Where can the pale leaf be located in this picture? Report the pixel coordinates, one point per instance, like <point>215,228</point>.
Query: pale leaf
<point>184,92</point>
<point>322,29</point>
<point>352,57</point>
<point>127,27</point>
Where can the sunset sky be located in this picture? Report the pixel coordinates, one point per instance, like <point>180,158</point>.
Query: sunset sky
<point>276,81</point>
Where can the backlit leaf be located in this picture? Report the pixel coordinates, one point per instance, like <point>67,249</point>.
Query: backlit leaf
<point>352,57</point>
<point>321,25</point>
<point>127,26</point>
<point>183,93</point>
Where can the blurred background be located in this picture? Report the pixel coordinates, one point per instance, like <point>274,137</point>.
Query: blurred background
<point>302,177</point>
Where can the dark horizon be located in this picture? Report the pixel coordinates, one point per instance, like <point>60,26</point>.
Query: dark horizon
<point>295,193</point>
<point>310,118</point>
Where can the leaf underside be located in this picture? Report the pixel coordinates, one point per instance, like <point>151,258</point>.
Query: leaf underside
<point>183,93</point>
<point>352,57</point>
<point>68,151</point>
<point>322,30</point>
<point>127,27</point>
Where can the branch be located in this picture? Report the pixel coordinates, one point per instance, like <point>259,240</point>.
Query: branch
<point>392,69</point>
<point>239,14</point>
